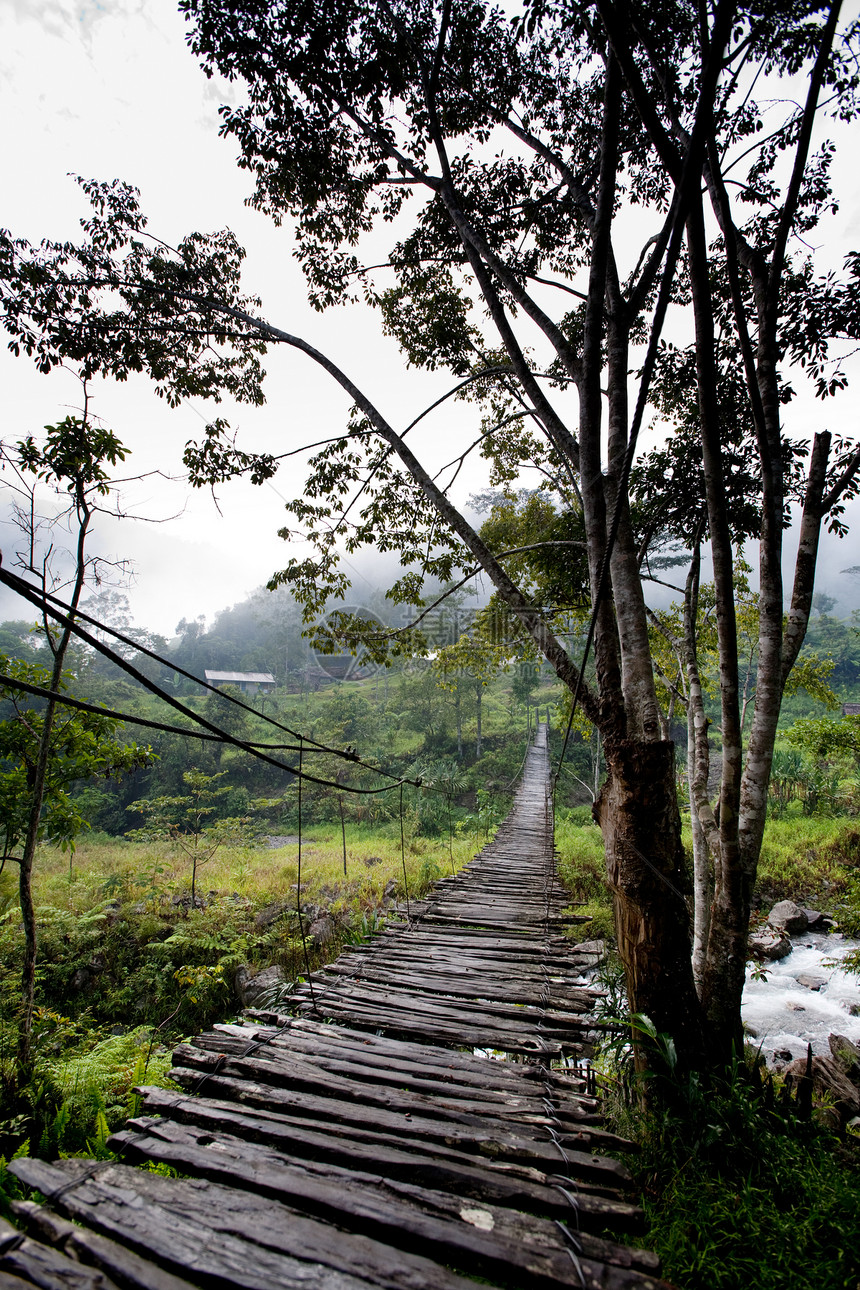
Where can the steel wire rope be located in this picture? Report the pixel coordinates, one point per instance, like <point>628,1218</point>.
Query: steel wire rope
<point>41,692</point>
<point>403,859</point>
<point>299,891</point>
<point>41,602</point>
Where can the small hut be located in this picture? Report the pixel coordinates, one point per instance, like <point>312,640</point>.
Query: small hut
<point>247,682</point>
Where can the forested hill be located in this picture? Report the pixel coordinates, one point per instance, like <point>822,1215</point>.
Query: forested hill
<point>406,718</point>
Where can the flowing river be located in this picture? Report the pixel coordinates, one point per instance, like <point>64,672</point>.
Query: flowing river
<point>804,999</point>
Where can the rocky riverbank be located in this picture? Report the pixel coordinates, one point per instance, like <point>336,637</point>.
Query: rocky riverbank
<point>797,996</point>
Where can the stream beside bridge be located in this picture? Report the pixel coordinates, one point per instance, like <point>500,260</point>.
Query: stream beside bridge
<point>803,999</point>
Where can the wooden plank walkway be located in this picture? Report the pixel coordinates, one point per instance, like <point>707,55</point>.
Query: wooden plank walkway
<point>371,1134</point>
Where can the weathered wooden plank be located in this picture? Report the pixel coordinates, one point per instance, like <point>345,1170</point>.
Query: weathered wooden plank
<point>459,1089</point>
<point>546,1041</point>
<point>474,986</point>
<point>492,1138</point>
<point>408,1024</point>
<point>483,1012</point>
<point>316,1068</point>
<point>453,1235</point>
<point>482,977</point>
<point>255,1119</point>
<point>465,953</point>
<point>315,1083</point>
<point>327,1139</point>
<point>287,1174</point>
<point>403,1025</point>
<point>24,1262</point>
<point>245,1211</point>
<point>486,1017</point>
<point>120,1204</point>
<point>450,1062</point>
<point>128,1269</point>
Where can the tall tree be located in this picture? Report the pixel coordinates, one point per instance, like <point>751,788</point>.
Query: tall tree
<point>523,146</point>
<point>44,752</point>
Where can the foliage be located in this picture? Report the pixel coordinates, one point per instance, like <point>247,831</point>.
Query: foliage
<point>186,820</point>
<point>83,745</point>
<point>827,738</point>
<point>735,1194</point>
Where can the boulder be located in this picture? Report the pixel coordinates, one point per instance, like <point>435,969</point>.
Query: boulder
<point>829,1084</point>
<point>182,900</point>
<point>811,982</point>
<point>82,978</point>
<point>597,948</point>
<point>814,920</point>
<point>768,944</point>
<point>321,931</point>
<point>251,986</point>
<point>269,914</point>
<point>788,917</point>
<point>847,1057</point>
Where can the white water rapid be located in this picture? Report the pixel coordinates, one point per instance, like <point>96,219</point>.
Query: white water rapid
<point>783,1014</point>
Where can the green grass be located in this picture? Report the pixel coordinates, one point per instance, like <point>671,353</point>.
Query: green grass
<point>582,869</point>
<point>104,868</point>
<point>581,866</point>
<point>813,860</point>
<point>735,1195</point>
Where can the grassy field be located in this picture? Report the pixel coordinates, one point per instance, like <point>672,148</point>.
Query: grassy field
<point>126,967</point>
<point>115,868</point>
<point>813,860</point>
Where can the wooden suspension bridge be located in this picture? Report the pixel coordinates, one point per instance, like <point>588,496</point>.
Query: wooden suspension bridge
<point>372,1134</point>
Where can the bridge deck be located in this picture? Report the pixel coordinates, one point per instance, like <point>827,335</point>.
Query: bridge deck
<point>371,1135</point>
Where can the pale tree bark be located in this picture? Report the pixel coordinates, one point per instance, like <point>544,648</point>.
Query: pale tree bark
<point>726,944</point>
<point>702,820</point>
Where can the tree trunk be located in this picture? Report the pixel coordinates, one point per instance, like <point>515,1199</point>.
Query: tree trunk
<point>776,656</point>
<point>637,812</point>
<point>701,859</point>
<point>24,1056</point>
<point>478,697</point>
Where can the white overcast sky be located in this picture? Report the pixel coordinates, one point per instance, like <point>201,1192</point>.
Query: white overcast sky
<point>110,90</point>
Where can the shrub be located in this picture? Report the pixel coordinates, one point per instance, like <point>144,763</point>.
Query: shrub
<point>737,1195</point>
